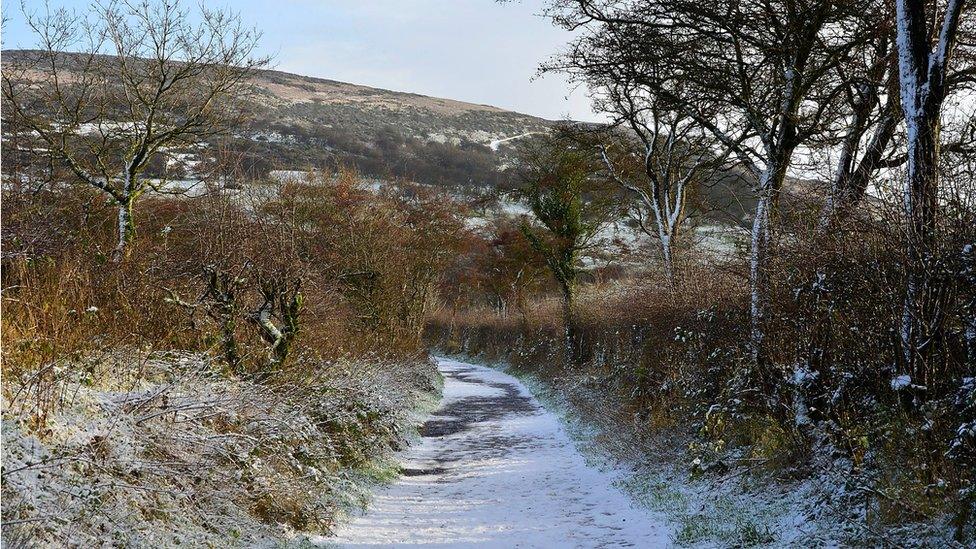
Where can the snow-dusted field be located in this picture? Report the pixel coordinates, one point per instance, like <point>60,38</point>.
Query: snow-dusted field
<point>494,469</point>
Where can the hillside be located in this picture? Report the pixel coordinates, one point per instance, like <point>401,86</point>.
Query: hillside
<point>307,122</point>
<point>304,122</point>
<point>299,122</point>
<point>308,103</point>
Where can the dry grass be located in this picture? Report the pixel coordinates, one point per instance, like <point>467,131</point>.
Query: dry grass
<point>365,264</point>
<point>187,456</point>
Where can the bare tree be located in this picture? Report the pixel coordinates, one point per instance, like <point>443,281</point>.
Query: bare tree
<point>870,82</point>
<point>867,126</point>
<point>925,52</point>
<point>281,300</point>
<point>221,302</point>
<point>143,79</point>
<point>757,74</point>
<point>676,157</point>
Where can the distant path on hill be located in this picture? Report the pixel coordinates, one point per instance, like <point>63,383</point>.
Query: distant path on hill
<point>494,469</point>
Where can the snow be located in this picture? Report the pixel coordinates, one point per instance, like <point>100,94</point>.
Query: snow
<point>290,176</point>
<point>188,186</point>
<point>182,456</point>
<point>104,127</point>
<point>802,376</point>
<point>497,470</point>
<point>901,382</point>
<point>443,138</point>
<point>188,160</point>
<point>719,241</point>
<point>495,143</point>
<point>513,207</point>
<point>273,137</point>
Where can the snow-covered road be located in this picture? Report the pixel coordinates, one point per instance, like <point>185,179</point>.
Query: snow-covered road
<point>494,469</point>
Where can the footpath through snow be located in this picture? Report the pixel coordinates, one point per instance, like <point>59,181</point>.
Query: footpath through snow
<point>494,469</point>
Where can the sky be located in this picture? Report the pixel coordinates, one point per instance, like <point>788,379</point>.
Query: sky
<point>481,51</point>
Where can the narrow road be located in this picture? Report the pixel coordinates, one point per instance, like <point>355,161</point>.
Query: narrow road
<point>494,469</point>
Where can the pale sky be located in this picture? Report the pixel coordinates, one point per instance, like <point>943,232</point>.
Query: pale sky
<point>480,51</point>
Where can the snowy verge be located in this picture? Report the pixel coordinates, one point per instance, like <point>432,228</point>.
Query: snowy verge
<point>184,455</point>
<point>743,504</point>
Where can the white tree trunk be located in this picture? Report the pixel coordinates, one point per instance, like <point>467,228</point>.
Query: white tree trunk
<point>922,72</point>
<point>668,257</point>
<point>126,225</point>
<point>126,230</point>
<point>758,277</point>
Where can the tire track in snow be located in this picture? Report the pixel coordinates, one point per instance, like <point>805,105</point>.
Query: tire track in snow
<point>494,469</point>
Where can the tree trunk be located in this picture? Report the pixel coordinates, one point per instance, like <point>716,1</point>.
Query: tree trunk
<point>850,183</point>
<point>770,183</point>
<point>228,330</point>
<point>126,229</point>
<point>287,300</point>
<point>922,73</point>
<point>667,254</point>
<point>758,277</point>
<point>569,319</point>
<point>779,152</point>
<point>920,316</point>
<point>969,281</point>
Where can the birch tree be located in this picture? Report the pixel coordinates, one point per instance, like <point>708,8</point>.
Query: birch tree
<point>144,78</point>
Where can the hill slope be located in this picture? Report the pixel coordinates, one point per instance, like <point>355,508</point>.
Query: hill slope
<point>310,102</point>
<point>301,122</point>
<point>307,122</point>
